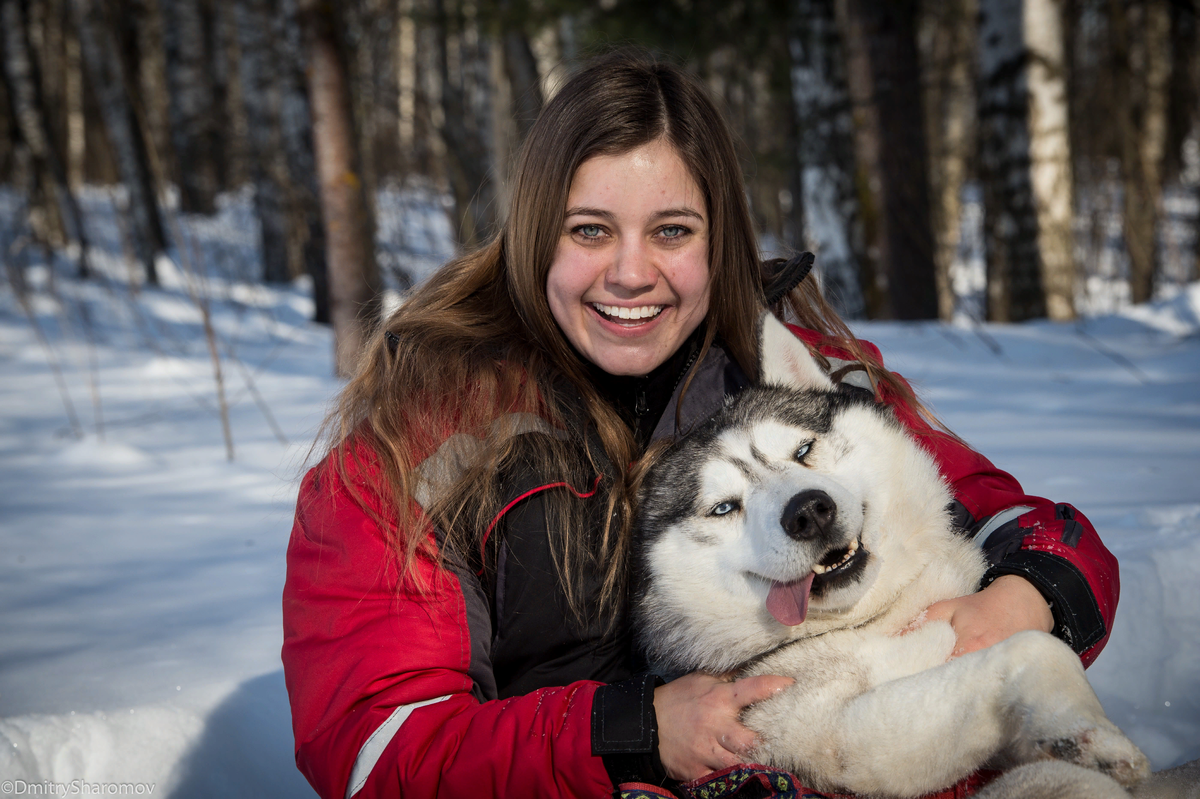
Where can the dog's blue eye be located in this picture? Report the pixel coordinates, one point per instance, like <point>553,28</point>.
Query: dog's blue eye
<point>724,508</point>
<point>804,448</point>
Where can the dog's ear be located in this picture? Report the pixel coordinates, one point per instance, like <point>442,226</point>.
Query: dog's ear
<point>784,360</point>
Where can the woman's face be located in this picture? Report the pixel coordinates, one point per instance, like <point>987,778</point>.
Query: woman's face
<point>629,281</point>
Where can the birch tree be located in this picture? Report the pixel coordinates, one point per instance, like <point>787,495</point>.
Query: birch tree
<point>350,253</point>
<point>1025,160</point>
<point>949,30</point>
<point>825,138</point>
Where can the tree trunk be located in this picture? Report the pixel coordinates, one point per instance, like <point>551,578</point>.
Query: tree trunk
<point>521,68</point>
<point>76,117</point>
<point>350,251</point>
<point>1025,161</point>
<point>886,85</point>
<point>47,41</point>
<point>465,121</point>
<point>107,76</point>
<point>356,31</point>
<point>252,19</point>
<point>1051,154</point>
<point>295,126</point>
<point>428,154</point>
<point>1142,70</point>
<point>791,205</point>
<point>1183,92</point>
<point>406,87</point>
<point>139,30</point>
<point>950,128</point>
<point>223,47</point>
<point>8,133</point>
<point>28,108</point>
<point>825,134</point>
<point>188,32</point>
<point>32,140</point>
<point>516,99</point>
<point>1183,139</point>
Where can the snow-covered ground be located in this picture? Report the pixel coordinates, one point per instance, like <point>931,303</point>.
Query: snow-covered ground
<point>140,570</point>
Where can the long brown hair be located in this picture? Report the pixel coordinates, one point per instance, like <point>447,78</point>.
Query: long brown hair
<point>477,343</point>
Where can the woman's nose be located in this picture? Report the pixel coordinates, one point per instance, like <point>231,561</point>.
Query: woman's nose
<point>632,267</point>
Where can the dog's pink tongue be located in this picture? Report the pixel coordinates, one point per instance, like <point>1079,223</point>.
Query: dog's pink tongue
<point>788,602</point>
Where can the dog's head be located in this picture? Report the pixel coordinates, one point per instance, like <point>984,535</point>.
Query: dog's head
<point>771,522</point>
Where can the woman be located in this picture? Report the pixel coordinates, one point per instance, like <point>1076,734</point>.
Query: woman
<point>454,608</point>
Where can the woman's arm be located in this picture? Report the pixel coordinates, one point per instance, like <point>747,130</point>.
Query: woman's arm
<point>380,676</point>
<point>1051,547</point>
<point>1007,606</point>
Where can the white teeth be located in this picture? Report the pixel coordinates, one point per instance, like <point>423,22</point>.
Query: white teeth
<point>850,550</point>
<point>644,312</point>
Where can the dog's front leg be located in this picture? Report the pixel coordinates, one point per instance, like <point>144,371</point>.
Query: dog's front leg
<point>868,715</point>
<point>1021,700</point>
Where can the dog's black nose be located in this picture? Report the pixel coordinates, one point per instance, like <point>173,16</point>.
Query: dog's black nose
<point>808,514</point>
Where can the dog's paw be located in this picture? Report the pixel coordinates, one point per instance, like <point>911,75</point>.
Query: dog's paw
<point>1060,716</point>
<point>1102,747</point>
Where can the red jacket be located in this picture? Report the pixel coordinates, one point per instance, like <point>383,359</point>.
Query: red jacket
<point>385,682</point>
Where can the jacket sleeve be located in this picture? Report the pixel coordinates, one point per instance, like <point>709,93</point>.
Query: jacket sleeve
<point>379,679</point>
<point>1054,546</point>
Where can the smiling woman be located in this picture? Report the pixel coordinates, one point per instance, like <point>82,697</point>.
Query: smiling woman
<point>455,613</point>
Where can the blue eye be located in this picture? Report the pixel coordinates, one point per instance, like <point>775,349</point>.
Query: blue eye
<point>673,231</point>
<point>590,231</point>
<point>803,450</point>
<point>726,507</point>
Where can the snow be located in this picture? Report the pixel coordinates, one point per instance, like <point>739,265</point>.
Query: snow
<point>141,571</point>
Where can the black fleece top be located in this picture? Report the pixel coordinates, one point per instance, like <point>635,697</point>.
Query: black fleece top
<point>641,400</point>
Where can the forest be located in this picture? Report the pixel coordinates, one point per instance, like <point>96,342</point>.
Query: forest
<point>1060,138</point>
<point>206,206</point>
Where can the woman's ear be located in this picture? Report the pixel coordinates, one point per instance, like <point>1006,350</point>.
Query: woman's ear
<point>784,360</point>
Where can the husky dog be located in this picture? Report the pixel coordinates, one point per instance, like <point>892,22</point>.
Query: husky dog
<point>803,532</point>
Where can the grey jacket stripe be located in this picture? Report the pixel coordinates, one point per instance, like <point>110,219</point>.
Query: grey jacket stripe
<point>997,521</point>
<point>372,750</point>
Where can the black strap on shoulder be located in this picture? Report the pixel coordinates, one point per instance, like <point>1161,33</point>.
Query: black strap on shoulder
<point>786,275</point>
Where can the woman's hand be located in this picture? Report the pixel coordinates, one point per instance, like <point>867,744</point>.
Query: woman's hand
<point>698,727</point>
<point>1007,606</point>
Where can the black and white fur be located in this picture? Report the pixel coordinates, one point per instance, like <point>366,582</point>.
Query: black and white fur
<point>794,478</point>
